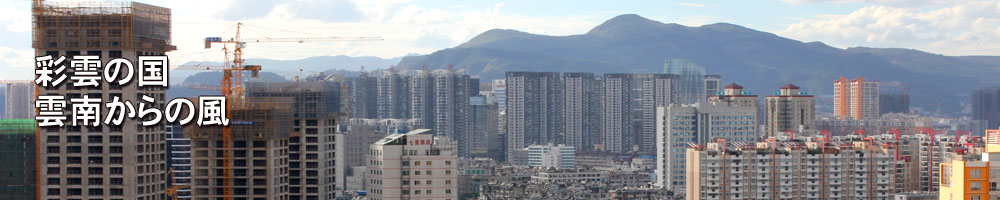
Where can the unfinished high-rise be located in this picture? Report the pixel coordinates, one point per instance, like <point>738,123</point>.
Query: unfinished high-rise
<point>260,130</point>
<point>17,158</point>
<point>104,162</point>
<point>317,108</point>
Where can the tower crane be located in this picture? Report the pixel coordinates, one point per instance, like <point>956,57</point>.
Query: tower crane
<point>232,84</point>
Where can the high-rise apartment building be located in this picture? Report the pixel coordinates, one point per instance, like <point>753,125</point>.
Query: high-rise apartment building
<point>317,109</point>
<point>857,99</point>
<point>393,95</point>
<point>451,102</point>
<point>3,101</point>
<point>413,165</point>
<point>364,96</point>
<point>793,170</point>
<point>422,98</point>
<point>894,103</point>
<point>534,109</point>
<point>630,101</point>
<point>583,112</point>
<point>713,85</point>
<point>789,109</point>
<point>677,126</point>
<point>986,106</point>
<point>104,162</point>
<point>19,102</point>
<point>692,76</point>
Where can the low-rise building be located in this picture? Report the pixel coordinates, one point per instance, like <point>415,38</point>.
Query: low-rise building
<point>552,156</point>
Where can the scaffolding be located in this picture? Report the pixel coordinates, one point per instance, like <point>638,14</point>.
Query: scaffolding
<point>312,99</point>
<point>267,121</point>
<point>17,158</point>
<point>255,118</point>
<point>100,25</point>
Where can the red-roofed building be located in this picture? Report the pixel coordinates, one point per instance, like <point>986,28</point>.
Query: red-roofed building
<point>789,110</point>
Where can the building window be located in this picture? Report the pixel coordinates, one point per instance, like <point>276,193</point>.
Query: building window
<point>975,186</point>
<point>974,173</point>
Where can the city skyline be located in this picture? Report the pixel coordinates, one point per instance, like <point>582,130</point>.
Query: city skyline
<point>635,108</point>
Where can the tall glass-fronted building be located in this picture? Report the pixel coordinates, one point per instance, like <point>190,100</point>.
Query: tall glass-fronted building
<point>692,76</point>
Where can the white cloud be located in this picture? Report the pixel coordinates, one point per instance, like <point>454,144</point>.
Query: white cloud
<point>406,27</point>
<point>16,64</point>
<point>962,28</point>
<point>897,3</point>
<point>689,4</point>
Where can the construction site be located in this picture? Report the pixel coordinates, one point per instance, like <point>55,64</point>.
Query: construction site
<point>100,25</point>
<point>17,158</point>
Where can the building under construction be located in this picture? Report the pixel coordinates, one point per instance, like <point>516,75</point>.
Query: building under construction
<point>260,128</point>
<point>101,25</point>
<point>17,158</point>
<point>318,106</point>
<point>104,162</point>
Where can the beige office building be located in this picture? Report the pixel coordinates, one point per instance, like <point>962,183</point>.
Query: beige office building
<point>413,165</point>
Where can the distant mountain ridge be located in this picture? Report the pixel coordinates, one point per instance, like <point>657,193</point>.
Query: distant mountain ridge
<point>291,68</point>
<point>758,60</point>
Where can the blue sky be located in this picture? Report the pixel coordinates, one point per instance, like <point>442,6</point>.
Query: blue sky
<point>950,27</point>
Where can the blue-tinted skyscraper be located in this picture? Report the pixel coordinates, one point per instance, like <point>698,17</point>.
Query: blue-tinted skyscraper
<point>692,76</point>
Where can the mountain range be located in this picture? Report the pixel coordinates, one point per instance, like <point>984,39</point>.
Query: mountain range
<point>291,68</point>
<point>760,61</point>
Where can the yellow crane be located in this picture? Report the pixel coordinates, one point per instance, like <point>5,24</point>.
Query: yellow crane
<point>172,190</point>
<point>233,90</point>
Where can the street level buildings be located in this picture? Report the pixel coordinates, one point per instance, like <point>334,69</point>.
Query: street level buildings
<point>552,156</point>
